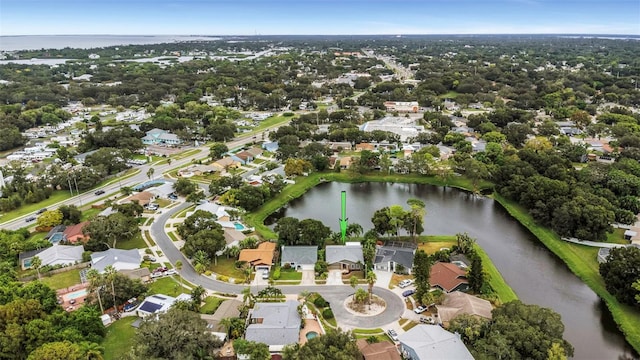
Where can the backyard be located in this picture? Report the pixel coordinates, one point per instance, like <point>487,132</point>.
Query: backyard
<point>119,339</point>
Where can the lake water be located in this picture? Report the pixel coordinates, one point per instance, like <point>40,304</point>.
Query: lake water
<point>536,275</point>
<point>33,42</point>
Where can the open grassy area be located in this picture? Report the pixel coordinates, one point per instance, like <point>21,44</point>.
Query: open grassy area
<point>56,196</point>
<point>617,236</point>
<point>267,123</point>
<point>89,214</point>
<point>119,338</point>
<point>449,95</point>
<point>62,280</point>
<point>496,281</point>
<point>136,243</point>
<point>185,154</point>
<point>409,325</point>
<point>227,268</point>
<point>211,304</point>
<point>432,247</point>
<point>582,262</point>
<point>167,285</point>
<point>290,275</point>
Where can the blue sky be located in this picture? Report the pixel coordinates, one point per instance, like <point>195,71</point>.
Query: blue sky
<point>267,17</point>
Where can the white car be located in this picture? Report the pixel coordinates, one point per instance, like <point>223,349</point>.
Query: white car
<point>404,283</point>
<point>265,274</point>
<point>171,272</point>
<point>420,309</point>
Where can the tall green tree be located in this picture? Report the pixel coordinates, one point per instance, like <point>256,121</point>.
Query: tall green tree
<point>620,271</point>
<point>417,214</point>
<point>421,274</point>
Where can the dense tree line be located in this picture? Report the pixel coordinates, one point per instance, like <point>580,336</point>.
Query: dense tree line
<point>620,272</point>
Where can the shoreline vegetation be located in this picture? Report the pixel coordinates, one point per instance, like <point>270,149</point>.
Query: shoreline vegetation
<point>626,317</point>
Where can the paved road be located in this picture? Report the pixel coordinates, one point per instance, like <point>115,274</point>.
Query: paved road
<point>335,294</point>
<point>89,196</point>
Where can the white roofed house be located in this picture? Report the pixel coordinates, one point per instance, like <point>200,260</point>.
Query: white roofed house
<point>275,324</point>
<point>345,257</point>
<point>424,342</point>
<point>119,259</point>
<point>55,255</point>
<point>160,137</point>
<point>299,257</point>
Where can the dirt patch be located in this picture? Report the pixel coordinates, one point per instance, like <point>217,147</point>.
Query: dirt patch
<point>377,306</point>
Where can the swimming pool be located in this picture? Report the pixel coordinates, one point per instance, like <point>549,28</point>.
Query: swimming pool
<point>77,294</point>
<point>239,226</point>
<point>311,334</point>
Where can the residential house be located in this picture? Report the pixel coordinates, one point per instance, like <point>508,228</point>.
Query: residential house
<point>448,277</point>
<point>244,157</point>
<point>119,259</point>
<point>197,169</point>
<point>274,324</point>
<point>395,257</point>
<point>384,350</point>
<point>158,303</point>
<point>260,258</point>
<point>255,151</point>
<point>160,137</point>
<point>402,106</point>
<point>218,210</point>
<point>227,309</point>
<point>233,237</point>
<point>226,163</point>
<point>337,146</point>
<point>299,257</point>
<point>73,233</point>
<point>55,255</point>
<point>332,162</point>
<point>424,342</point>
<point>365,146</point>
<point>345,162</point>
<point>270,146</point>
<point>457,303</point>
<point>81,157</point>
<point>345,257</point>
<point>163,191</point>
<point>143,198</point>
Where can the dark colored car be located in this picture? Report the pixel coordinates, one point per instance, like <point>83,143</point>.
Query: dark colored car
<point>408,293</point>
<point>41,211</point>
<point>99,192</point>
<point>30,219</point>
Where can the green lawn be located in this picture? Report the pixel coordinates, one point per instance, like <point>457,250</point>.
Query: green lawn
<point>368,331</point>
<point>136,243</point>
<point>56,196</point>
<point>172,235</point>
<point>89,214</point>
<point>449,95</point>
<point>617,236</point>
<point>496,281</point>
<point>211,304</point>
<point>267,123</point>
<point>227,268</point>
<point>62,280</point>
<point>582,262</point>
<point>38,235</point>
<point>119,339</point>
<point>409,325</point>
<point>290,275</point>
<point>167,285</point>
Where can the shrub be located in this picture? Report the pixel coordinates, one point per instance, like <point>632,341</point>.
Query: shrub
<point>286,266</point>
<point>148,251</point>
<point>320,302</point>
<point>276,274</point>
<point>223,278</point>
<point>288,113</point>
<point>207,273</point>
<point>327,313</point>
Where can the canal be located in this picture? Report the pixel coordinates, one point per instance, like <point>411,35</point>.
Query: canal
<point>534,273</point>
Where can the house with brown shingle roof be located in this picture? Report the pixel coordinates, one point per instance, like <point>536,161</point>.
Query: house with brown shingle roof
<point>143,198</point>
<point>262,256</point>
<point>458,303</point>
<point>365,146</point>
<point>73,233</point>
<point>226,163</point>
<point>255,151</point>
<point>245,156</point>
<point>448,277</point>
<point>345,162</point>
<point>383,350</point>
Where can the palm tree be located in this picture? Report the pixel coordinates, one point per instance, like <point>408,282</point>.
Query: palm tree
<point>354,230</point>
<point>247,296</point>
<point>127,190</point>
<point>227,324</point>
<point>371,280</point>
<point>110,273</point>
<point>36,263</point>
<point>91,350</point>
<point>178,267</point>
<point>353,281</point>
<point>95,280</point>
<point>150,173</point>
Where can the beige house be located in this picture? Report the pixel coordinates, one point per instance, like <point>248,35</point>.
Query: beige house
<point>458,303</point>
<point>225,164</point>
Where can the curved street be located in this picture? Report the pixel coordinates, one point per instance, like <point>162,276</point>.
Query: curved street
<point>334,294</point>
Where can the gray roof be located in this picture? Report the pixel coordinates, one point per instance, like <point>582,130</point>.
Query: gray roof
<point>120,259</point>
<point>280,323</point>
<point>57,254</point>
<point>399,253</point>
<point>434,342</point>
<point>299,255</point>
<point>349,252</point>
<point>228,309</point>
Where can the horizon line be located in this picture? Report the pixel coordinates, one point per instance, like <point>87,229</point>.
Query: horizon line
<point>385,34</point>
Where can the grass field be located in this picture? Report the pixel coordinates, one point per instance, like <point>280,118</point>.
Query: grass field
<point>226,267</point>
<point>496,281</point>
<point>119,338</point>
<point>211,304</point>
<point>56,196</point>
<point>290,275</point>
<point>167,285</point>
<point>449,95</point>
<point>136,243</point>
<point>583,263</point>
<point>267,123</point>
<point>62,280</point>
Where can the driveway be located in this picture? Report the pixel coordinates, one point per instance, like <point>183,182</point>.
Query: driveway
<point>334,277</point>
<point>308,277</point>
<point>383,278</point>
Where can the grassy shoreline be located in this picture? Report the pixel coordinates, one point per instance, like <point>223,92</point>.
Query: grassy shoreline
<point>626,317</point>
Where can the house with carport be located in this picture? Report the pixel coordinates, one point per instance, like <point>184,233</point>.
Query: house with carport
<point>345,257</point>
<point>299,257</point>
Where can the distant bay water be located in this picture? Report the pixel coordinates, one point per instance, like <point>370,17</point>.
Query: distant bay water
<point>36,42</point>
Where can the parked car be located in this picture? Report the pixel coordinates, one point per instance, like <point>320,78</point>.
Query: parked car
<point>265,274</point>
<point>153,207</point>
<point>404,283</point>
<point>173,196</point>
<point>171,272</point>
<point>130,305</point>
<point>30,219</point>
<point>408,293</point>
<point>420,309</point>
<point>149,258</point>
<point>41,211</point>
<point>427,320</point>
<point>393,334</point>
<point>99,192</point>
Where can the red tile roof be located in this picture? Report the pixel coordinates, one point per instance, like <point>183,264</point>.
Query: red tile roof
<point>447,276</point>
<point>74,233</point>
